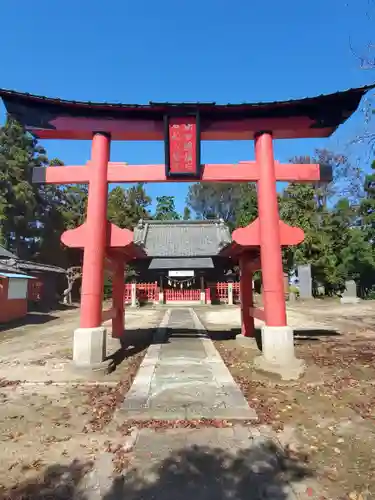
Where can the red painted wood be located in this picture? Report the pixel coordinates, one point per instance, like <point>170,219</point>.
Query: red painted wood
<point>183,145</point>
<point>115,237</point>
<point>118,285</point>
<point>236,291</point>
<point>34,290</point>
<point>246,277</point>
<point>10,309</point>
<point>121,172</point>
<point>95,229</point>
<point>270,247</point>
<point>182,295</point>
<point>257,313</point>
<point>127,293</point>
<point>142,130</point>
<point>147,292</point>
<point>222,292</point>
<point>250,236</point>
<point>108,314</point>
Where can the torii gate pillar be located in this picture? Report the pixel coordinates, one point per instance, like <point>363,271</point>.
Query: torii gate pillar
<point>89,345</point>
<point>277,337</point>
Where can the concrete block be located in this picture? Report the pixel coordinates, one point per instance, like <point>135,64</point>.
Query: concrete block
<point>291,371</point>
<point>247,342</point>
<point>89,347</point>
<point>278,353</point>
<point>277,344</point>
<point>349,300</point>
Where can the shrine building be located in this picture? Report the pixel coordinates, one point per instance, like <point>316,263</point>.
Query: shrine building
<point>182,127</point>
<point>184,261</point>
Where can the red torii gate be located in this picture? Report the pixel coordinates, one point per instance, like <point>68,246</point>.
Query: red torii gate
<point>182,127</point>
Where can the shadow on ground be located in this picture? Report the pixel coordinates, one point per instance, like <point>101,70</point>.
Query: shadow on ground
<point>300,334</point>
<point>29,319</point>
<point>263,471</point>
<point>58,482</point>
<point>138,340</point>
<point>134,341</point>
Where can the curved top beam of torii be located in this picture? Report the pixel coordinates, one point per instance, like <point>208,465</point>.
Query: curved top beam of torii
<point>51,118</point>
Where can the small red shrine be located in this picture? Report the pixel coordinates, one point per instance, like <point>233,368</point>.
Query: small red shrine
<point>182,127</point>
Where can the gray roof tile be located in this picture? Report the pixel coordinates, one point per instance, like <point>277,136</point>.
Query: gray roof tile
<point>182,263</point>
<point>4,253</point>
<point>182,238</point>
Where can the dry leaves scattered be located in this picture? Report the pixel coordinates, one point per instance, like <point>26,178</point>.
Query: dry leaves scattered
<point>339,354</point>
<point>9,383</point>
<point>103,400</point>
<point>160,425</point>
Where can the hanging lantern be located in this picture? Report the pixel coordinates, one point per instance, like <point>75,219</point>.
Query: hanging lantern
<point>181,285</point>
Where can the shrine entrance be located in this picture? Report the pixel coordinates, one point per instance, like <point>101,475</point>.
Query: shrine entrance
<point>183,257</point>
<point>182,127</point>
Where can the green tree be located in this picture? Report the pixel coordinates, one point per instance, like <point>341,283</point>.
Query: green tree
<point>367,206</point>
<point>247,210</point>
<point>19,207</point>
<point>235,203</point>
<point>165,208</point>
<point>298,207</point>
<point>127,206</point>
<point>187,213</point>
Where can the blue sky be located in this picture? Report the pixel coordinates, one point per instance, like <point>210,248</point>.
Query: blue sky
<point>210,50</point>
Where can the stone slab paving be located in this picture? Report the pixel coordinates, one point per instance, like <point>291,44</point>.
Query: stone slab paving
<point>238,463</point>
<point>184,377</point>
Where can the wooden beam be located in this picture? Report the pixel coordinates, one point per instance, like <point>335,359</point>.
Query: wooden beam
<point>74,174</point>
<point>108,314</point>
<point>123,173</point>
<point>257,313</point>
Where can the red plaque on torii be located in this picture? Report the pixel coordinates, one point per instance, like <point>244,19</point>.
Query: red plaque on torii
<point>182,146</point>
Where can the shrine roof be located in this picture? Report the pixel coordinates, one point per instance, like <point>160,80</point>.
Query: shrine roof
<point>63,119</point>
<point>182,263</point>
<point>5,254</point>
<point>179,238</point>
<point>38,267</point>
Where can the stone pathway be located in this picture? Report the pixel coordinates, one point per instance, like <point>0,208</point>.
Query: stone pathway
<point>184,377</point>
<point>238,463</point>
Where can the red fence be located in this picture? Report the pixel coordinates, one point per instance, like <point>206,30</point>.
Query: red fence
<point>218,292</point>
<point>128,293</point>
<point>183,295</point>
<point>149,292</point>
<point>222,292</point>
<point>34,290</point>
<point>146,292</point>
<point>236,292</point>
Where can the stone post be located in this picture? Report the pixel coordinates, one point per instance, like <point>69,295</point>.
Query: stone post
<point>305,281</point>
<point>133,295</point>
<point>230,294</point>
<point>350,294</point>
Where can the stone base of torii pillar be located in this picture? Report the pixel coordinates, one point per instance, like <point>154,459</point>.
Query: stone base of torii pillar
<point>90,350</point>
<point>278,353</point>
